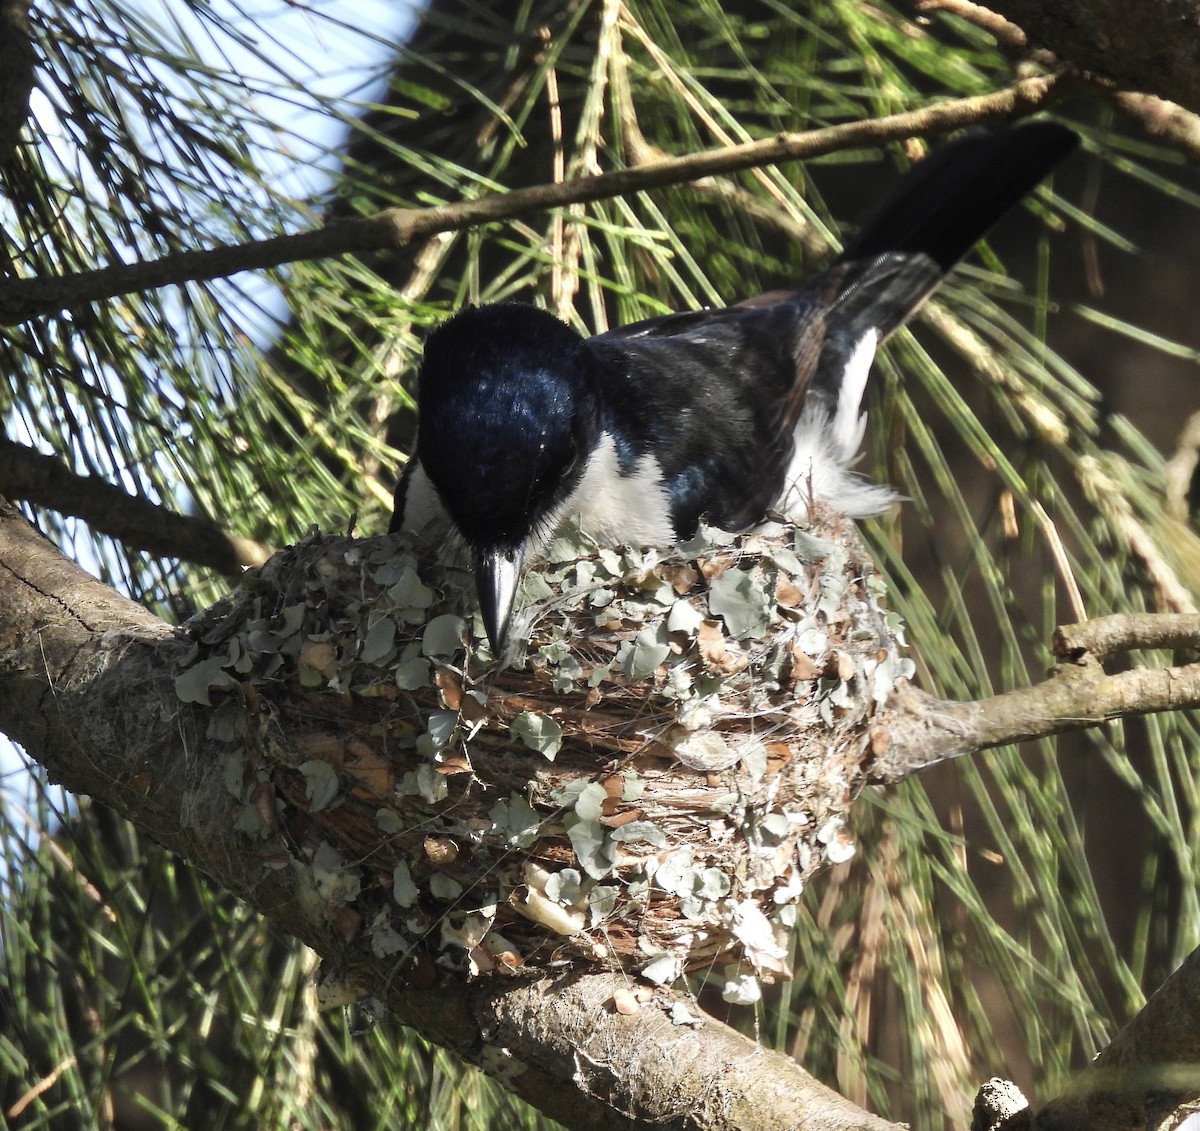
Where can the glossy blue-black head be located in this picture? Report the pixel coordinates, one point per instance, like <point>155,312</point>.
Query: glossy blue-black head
<point>508,414</point>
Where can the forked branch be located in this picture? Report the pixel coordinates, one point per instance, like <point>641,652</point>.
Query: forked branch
<point>919,730</point>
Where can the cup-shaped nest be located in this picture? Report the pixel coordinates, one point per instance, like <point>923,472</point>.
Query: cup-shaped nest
<point>648,782</point>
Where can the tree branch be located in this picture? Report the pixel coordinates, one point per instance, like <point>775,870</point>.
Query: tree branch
<point>919,730</point>
<point>1008,35</point>
<point>1166,121</point>
<point>30,476</point>
<point>1150,46</point>
<point>1149,1070</point>
<point>396,228</point>
<point>16,74</point>
<point>1110,636</point>
<point>87,687</point>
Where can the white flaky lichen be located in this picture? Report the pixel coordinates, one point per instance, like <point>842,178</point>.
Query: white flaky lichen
<point>650,783</point>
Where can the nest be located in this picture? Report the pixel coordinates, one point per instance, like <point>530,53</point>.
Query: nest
<point>650,785</point>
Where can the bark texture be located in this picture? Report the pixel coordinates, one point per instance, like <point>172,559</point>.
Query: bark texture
<point>231,773</point>
<point>88,687</point>
<point>17,61</point>
<point>1150,46</point>
<point>1149,1071</point>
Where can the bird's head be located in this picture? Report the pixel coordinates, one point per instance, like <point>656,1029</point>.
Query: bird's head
<point>508,414</point>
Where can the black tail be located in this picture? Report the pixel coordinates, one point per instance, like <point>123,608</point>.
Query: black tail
<point>947,203</point>
<point>931,219</point>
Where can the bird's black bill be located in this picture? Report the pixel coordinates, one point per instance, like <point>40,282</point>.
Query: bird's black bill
<point>497,574</point>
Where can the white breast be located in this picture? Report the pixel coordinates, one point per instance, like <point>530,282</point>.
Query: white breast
<point>616,509</point>
<point>424,513</point>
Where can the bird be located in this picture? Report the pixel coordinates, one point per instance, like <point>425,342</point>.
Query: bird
<point>732,415</point>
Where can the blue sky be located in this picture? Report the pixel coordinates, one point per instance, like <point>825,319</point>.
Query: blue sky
<point>302,64</point>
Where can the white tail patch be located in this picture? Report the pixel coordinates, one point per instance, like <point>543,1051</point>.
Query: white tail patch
<point>827,439</point>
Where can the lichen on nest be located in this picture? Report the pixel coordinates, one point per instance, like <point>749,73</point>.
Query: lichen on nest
<point>649,785</point>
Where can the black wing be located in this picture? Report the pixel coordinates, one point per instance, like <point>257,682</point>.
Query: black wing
<point>719,392</point>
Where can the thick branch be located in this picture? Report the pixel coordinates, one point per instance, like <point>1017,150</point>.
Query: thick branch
<point>1151,1068</point>
<point>396,228</point>
<point>920,731</point>
<point>87,686</point>
<point>29,476</point>
<point>16,74</point>
<point>1149,46</point>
